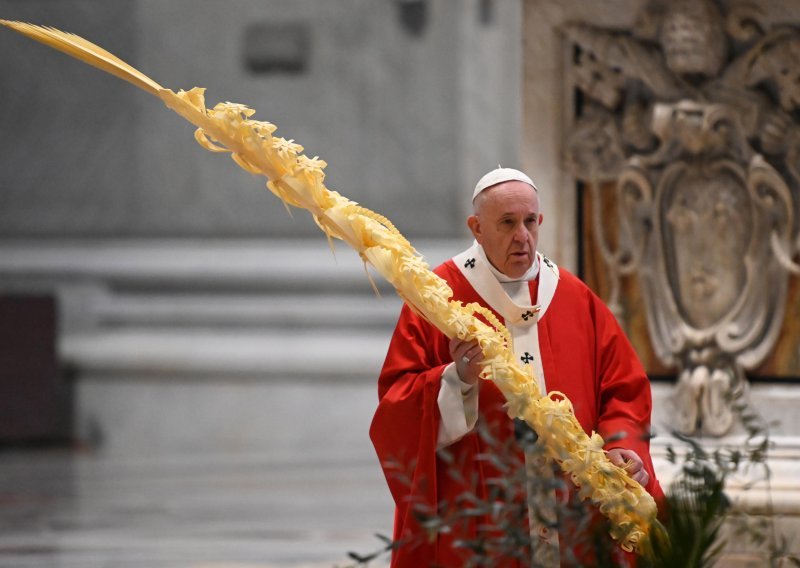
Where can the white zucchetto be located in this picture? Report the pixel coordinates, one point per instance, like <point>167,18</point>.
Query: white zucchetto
<point>500,175</point>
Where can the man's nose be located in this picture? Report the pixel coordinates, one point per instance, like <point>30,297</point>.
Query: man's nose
<point>521,233</point>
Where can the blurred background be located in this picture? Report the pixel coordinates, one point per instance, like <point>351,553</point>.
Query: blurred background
<point>188,373</point>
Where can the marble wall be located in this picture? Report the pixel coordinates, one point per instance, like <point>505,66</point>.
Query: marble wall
<point>68,134</point>
<point>402,118</point>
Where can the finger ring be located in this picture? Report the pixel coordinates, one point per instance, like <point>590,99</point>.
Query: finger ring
<point>465,359</point>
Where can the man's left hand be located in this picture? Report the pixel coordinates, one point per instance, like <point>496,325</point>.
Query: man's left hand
<point>631,463</point>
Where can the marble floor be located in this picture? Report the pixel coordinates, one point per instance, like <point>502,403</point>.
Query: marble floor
<point>70,509</point>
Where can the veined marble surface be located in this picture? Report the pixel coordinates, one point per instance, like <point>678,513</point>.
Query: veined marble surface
<point>76,510</point>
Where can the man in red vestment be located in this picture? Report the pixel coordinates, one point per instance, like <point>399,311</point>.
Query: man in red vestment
<point>429,427</point>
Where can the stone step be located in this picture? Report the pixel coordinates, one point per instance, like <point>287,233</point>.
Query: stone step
<point>196,353</point>
<point>268,311</point>
<point>225,284</point>
<point>196,264</point>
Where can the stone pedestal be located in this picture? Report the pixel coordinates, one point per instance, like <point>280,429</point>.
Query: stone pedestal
<point>762,494</point>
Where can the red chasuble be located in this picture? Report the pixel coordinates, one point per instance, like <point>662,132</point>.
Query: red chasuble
<point>585,355</point>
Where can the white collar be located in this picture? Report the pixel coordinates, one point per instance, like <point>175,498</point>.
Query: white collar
<point>472,264</point>
<point>530,274</point>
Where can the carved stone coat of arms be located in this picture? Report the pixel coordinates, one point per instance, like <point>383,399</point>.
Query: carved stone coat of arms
<point>693,113</point>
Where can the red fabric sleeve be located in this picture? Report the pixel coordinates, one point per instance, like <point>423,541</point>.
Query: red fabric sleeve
<point>406,424</point>
<point>624,398</point>
<point>404,432</point>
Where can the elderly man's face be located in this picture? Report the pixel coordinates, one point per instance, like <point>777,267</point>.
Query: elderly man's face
<point>506,223</point>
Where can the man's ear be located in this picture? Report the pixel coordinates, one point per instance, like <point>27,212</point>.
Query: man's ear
<point>474,225</point>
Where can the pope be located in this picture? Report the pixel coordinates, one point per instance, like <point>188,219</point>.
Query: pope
<point>429,430</point>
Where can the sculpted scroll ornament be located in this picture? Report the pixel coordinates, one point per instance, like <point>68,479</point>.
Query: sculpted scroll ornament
<point>693,114</point>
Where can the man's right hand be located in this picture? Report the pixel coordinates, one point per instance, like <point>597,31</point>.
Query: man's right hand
<point>467,356</point>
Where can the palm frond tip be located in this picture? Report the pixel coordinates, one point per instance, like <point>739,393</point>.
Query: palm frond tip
<point>84,50</point>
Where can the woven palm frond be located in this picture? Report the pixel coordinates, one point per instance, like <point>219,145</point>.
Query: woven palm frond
<point>87,52</point>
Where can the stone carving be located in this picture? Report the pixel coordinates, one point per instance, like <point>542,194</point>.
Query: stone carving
<point>694,114</point>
